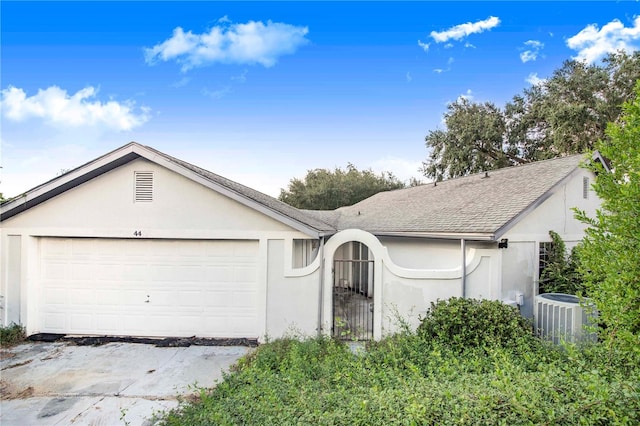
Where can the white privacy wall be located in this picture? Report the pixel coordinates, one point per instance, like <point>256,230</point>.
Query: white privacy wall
<point>403,293</point>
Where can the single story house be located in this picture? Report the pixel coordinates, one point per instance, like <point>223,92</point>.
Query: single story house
<point>140,243</point>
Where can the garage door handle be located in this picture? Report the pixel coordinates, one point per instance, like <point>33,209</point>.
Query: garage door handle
<point>147,301</point>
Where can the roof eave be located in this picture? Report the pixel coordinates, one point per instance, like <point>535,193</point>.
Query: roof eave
<point>184,171</point>
<point>69,180</point>
<point>470,236</point>
<point>126,154</point>
<point>534,205</point>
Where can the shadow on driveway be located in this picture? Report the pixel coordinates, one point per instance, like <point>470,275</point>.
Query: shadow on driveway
<point>118,383</point>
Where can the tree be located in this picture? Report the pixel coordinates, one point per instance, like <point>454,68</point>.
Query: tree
<point>609,256</point>
<point>473,141</point>
<point>565,114</point>
<point>323,189</point>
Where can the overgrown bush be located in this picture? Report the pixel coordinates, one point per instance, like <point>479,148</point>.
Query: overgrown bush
<point>407,380</point>
<point>470,362</point>
<point>609,253</point>
<point>469,323</point>
<point>560,274</point>
<point>12,335</point>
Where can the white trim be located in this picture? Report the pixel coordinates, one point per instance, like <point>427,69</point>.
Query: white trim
<point>152,233</point>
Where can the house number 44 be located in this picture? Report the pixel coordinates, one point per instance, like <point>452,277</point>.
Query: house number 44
<point>137,233</point>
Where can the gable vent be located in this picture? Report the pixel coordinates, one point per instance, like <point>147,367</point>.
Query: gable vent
<point>143,187</point>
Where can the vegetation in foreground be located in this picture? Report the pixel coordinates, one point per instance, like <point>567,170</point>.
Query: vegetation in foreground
<point>457,368</point>
<point>12,335</point>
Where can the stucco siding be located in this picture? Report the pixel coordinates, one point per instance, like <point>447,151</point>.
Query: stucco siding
<point>519,266</point>
<point>556,213</point>
<point>406,299</point>
<point>422,253</point>
<point>292,301</point>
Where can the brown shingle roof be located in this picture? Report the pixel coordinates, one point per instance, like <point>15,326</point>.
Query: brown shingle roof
<point>251,194</point>
<point>469,205</point>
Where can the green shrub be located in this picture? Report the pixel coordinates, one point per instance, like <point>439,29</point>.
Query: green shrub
<point>470,323</point>
<point>12,335</point>
<point>407,380</point>
<point>560,274</point>
<point>471,362</point>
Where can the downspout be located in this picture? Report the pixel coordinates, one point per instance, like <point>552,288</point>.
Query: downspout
<point>321,285</point>
<point>463,268</point>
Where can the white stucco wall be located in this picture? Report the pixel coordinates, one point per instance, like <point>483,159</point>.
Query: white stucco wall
<point>403,293</point>
<point>104,208</point>
<point>421,253</point>
<point>556,213</point>
<point>292,295</point>
<point>520,262</point>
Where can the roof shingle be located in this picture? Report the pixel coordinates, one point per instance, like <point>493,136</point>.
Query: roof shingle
<point>475,204</point>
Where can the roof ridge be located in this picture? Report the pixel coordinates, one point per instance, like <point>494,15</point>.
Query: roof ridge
<point>516,166</point>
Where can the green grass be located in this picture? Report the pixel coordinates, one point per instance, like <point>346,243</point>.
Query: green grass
<point>12,335</point>
<point>407,380</point>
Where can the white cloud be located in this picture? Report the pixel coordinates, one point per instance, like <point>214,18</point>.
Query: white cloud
<point>181,83</point>
<point>468,96</point>
<point>240,78</point>
<point>401,168</point>
<point>56,107</point>
<point>461,31</point>
<point>252,43</point>
<point>593,43</point>
<point>409,77</point>
<point>425,46</point>
<point>533,79</point>
<point>533,49</point>
<point>217,94</point>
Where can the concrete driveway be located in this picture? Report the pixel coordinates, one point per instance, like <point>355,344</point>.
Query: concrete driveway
<point>60,383</point>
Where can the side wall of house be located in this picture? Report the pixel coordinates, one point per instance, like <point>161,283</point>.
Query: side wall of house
<point>521,259</point>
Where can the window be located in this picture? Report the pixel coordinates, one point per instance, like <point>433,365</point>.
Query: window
<point>143,192</point>
<point>544,256</point>
<point>304,252</point>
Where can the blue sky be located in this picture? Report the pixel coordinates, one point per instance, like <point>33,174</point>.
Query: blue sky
<point>261,92</point>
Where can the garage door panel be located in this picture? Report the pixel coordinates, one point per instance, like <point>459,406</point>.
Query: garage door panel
<point>82,295</point>
<point>54,322</point>
<point>55,296</point>
<point>149,287</point>
<point>243,299</point>
<point>55,270</point>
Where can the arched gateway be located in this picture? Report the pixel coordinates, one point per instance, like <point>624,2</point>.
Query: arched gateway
<point>353,290</point>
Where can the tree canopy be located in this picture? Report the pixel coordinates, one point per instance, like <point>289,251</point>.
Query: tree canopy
<point>564,114</point>
<point>609,255</point>
<point>323,189</point>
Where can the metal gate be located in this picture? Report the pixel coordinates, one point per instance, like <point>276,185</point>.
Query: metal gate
<point>353,299</point>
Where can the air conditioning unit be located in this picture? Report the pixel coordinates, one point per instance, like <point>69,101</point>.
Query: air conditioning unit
<point>560,317</point>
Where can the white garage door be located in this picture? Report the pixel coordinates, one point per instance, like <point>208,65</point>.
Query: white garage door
<point>148,287</point>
